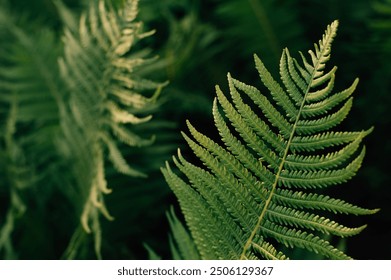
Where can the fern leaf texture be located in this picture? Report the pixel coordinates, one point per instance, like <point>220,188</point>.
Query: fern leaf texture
<point>260,190</point>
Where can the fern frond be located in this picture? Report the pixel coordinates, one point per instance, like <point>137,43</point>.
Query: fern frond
<point>28,157</point>
<point>260,186</point>
<point>105,97</point>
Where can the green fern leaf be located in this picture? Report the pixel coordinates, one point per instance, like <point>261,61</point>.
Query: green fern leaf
<point>105,97</point>
<point>260,186</point>
<point>28,158</point>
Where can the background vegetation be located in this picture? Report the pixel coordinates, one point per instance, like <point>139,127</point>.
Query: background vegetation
<point>198,42</point>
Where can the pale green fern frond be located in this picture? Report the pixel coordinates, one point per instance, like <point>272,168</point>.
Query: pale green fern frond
<point>105,98</point>
<point>261,186</point>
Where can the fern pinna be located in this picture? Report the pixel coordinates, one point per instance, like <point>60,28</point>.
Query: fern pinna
<point>260,188</point>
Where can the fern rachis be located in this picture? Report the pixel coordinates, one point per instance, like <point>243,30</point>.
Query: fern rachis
<point>262,187</point>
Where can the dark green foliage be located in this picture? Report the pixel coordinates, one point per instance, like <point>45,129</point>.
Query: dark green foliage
<point>249,27</point>
<point>45,179</point>
<point>28,88</point>
<point>93,98</point>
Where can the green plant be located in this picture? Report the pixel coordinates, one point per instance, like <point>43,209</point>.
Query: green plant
<point>104,101</point>
<point>181,244</point>
<point>56,79</point>
<point>30,165</point>
<point>94,96</point>
<point>264,186</point>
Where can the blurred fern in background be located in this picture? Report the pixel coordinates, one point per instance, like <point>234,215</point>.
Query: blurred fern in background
<point>74,112</point>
